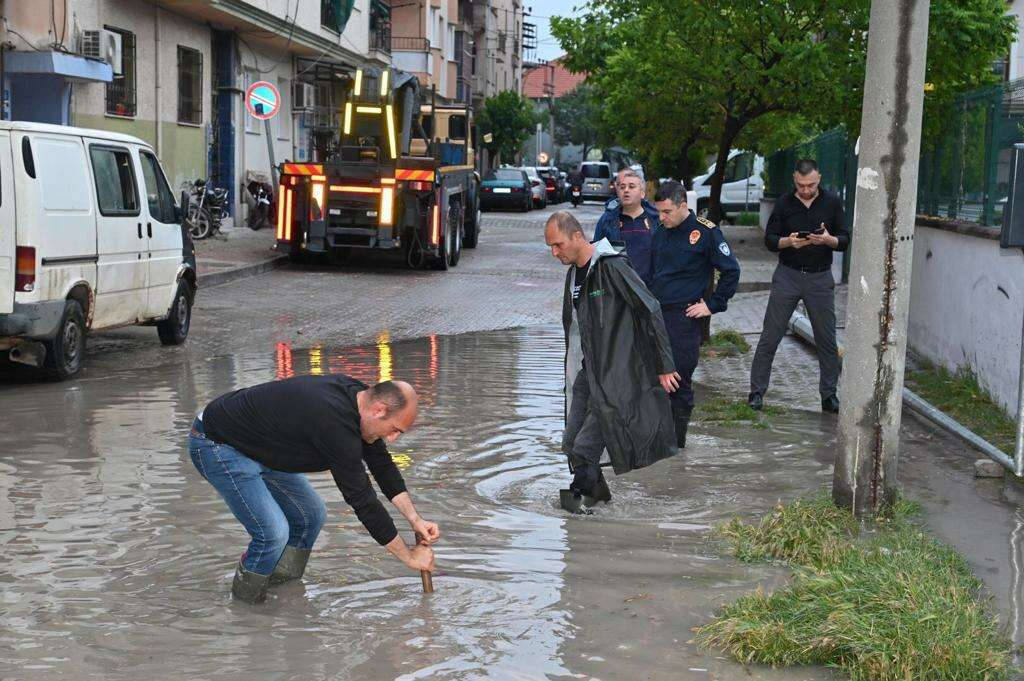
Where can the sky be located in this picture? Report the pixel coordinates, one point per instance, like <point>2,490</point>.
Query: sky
<point>547,47</point>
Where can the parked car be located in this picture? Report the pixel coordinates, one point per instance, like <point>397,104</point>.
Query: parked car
<point>598,181</point>
<point>553,183</point>
<point>96,242</point>
<point>742,187</point>
<point>540,194</point>
<point>506,188</point>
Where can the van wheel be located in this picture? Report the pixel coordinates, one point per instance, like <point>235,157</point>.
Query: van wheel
<point>174,329</point>
<point>65,353</point>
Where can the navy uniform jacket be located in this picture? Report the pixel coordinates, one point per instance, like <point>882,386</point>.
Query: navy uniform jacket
<point>685,259</point>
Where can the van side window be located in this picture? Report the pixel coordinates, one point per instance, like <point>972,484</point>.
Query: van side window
<point>158,194</point>
<point>116,190</point>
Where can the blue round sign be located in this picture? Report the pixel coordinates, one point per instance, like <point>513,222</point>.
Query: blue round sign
<point>262,100</point>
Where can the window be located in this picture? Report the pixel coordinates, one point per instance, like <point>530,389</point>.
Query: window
<point>120,92</point>
<point>190,85</point>
<point>457,127</point>
<point>506,175</point>
<point>334,14</point>
<point>158,194</point>
<point>62,171</point>
<point>250,122</point>
<point>596,170</point>
<point>116,190</point>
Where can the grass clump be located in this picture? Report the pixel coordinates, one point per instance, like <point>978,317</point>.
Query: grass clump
<point>725,343</point>
<point>725,412</point>
<point>959,395</point>
<point>892,603</point>
<point>748,219</point>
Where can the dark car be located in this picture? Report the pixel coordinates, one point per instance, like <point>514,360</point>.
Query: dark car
<point>553,183</point>
<point>505,188</point>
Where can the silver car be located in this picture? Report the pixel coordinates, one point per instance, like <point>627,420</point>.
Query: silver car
<point>598,181</point>
<point>537,188</point>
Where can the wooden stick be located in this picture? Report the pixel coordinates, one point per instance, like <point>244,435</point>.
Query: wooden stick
<point>425,576</point>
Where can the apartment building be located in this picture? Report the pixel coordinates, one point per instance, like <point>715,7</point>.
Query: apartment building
<point>174,73</point>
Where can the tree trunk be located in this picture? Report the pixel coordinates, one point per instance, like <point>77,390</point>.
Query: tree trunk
<point>730,131</point>
<point>684,169</point>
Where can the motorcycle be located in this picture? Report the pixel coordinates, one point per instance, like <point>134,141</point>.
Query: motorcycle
<point>261,210</point>
<point>576,200</point>
<point>207,208</point>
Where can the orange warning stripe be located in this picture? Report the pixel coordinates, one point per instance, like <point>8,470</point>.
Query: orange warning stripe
<point>408,174</point>
<point>303,169</point>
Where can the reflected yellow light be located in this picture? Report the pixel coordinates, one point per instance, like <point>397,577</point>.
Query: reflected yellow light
<point>392,143</point>
<point>316,361</point>
<point>358,87</point>
<point>403,461</point>
<point>433,355</point>
<point>384,83</point>
<point>347,129</point>
<point>284,361</point>
<point>384,356</point>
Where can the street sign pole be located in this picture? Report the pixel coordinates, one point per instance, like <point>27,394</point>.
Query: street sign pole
<point>264,102</point>
<point>270,152</point>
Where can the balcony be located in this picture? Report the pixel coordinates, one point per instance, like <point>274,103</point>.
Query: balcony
<point>380,38</point>
<point>401,43</point>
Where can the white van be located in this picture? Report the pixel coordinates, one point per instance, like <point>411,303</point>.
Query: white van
<point>742,187</point>
<point>90,238</point>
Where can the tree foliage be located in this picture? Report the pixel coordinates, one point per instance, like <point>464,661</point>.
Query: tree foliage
<point>509,118</point>
<point>683,76</point>
<point>577,117</point>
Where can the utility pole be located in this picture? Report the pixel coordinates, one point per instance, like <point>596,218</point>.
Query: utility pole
<point>883,249</point>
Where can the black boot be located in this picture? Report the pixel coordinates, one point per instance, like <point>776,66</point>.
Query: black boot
<point>249,586</point>
<point>599,492</point>
<point>290,566</point>
<point>681,416</point>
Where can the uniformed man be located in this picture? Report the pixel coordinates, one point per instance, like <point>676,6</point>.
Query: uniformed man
<point>629,223</point>
<point>686,251</point>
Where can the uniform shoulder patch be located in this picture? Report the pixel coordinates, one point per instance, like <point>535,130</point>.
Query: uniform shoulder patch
<point>707,223</point>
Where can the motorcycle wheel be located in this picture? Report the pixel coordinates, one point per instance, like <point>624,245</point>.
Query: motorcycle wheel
<point>200,222</point>
<point>257,218</point>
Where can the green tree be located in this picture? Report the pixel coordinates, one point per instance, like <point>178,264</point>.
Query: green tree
<point>577,117</point>
<point>509,118</point>
<point>676,75</point>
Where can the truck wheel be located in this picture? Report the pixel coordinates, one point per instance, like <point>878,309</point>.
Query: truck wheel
<point>174,329</point>
<point>472,229</point>
<point>65,353</point>
<point>450,248</point>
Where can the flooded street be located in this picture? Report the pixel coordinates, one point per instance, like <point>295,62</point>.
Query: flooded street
<point>117,557</point>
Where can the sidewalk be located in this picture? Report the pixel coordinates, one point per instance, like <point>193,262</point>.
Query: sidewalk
<point>236,252</point>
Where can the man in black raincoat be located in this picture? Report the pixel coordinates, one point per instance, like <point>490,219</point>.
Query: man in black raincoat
<point>618,364</point>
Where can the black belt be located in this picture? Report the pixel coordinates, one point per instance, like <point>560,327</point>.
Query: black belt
<point>808,270</point>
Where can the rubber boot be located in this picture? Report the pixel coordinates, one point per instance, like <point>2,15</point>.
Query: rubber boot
<point>681,416</point>
<point>291,565</point>
<point>599,492</point>
<point>249,586</point>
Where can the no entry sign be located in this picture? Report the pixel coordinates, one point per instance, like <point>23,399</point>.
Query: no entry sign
<point>262,100</point>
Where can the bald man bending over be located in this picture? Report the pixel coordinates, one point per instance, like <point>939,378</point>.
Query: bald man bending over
<point>253,445</point>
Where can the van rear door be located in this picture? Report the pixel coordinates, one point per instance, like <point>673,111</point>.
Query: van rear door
<point>7,254</point>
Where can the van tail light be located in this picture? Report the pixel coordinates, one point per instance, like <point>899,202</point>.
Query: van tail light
<point>25,274</point>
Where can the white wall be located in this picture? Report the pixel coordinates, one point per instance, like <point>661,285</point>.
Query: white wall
<point>1016,9</point>
<point>967,307</point>
<point>356,36</point>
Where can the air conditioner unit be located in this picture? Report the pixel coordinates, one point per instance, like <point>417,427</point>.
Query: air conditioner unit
<point>103,45</point>
<point>303,96</point>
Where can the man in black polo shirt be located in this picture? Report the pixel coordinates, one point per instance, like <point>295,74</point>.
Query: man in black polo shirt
<point>804,229</point>
<point>254,444</point>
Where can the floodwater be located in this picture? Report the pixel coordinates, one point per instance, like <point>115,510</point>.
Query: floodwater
<point>117,558</point>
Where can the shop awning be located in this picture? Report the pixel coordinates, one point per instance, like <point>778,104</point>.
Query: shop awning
<point>52,63</point>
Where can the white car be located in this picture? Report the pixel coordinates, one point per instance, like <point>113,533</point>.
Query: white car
<point>742,187</point>
<point>90,238</point>
<point>537,188</point>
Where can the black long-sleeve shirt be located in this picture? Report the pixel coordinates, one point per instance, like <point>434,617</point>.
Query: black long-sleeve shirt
<point>791,215</point>
<point>307,424</point>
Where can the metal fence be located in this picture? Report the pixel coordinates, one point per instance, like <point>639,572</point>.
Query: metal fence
<point>964,171</point>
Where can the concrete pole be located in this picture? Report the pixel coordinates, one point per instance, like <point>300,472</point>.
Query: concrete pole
<point>883,248</point>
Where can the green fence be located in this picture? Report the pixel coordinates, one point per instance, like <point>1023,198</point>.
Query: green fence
<point>964,171</point>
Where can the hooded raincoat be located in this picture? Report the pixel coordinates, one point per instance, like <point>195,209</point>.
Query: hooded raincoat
<point>620,331</point>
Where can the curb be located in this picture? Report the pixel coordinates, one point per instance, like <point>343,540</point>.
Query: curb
<point>801,328</point>
<point>225,276</point>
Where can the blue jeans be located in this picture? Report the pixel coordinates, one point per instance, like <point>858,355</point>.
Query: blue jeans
<point>277,509</point>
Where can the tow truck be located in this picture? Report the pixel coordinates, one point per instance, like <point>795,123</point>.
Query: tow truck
<point>402,179</point>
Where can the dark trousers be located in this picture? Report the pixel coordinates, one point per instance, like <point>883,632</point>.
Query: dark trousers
<point>583,441</point>
<point>685,335</point>
<point>817,290</point>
